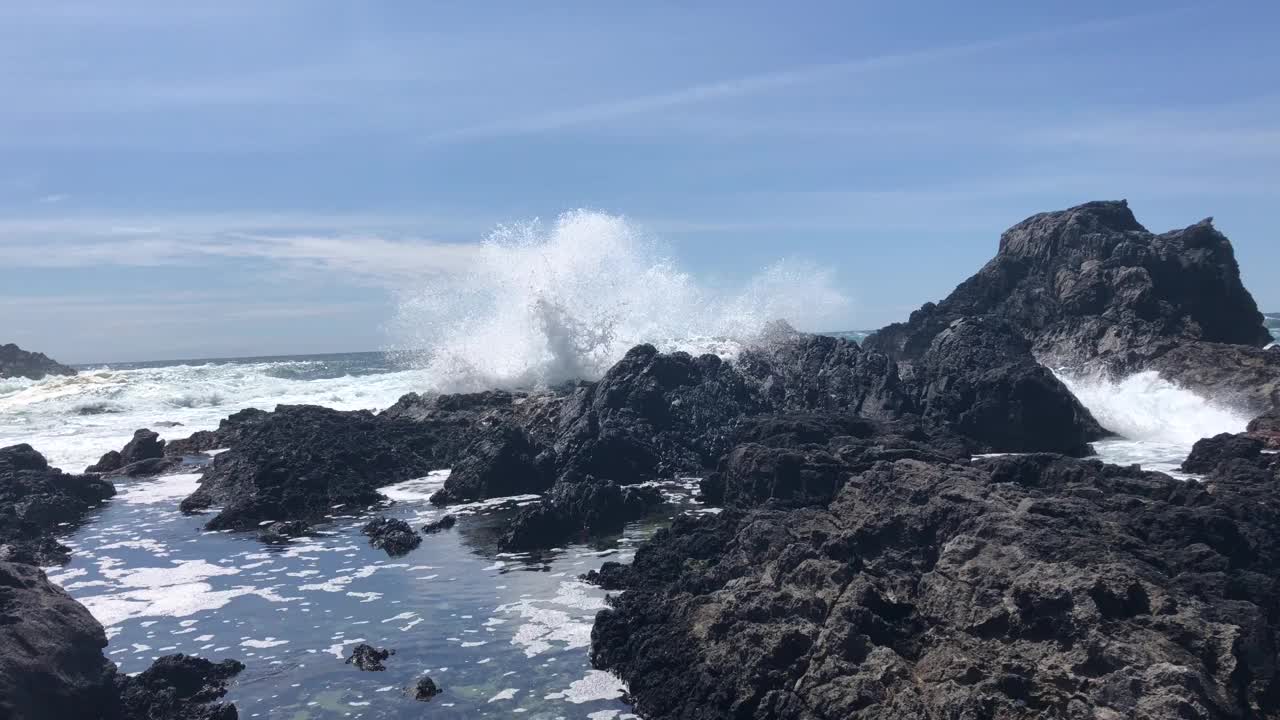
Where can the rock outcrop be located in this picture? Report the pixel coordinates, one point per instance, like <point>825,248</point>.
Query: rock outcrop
<point>16,362</point>
<point>141,456</point>
<point>230,430</point>
<point>52,666</point>
<point>1089,286</point>
<point>1013,587</point>
<point>577,509</point>
<point>369,658</point>
<point>1266,427</point>
<point>301,460</point>
<point>36,499</point>
<point>394,536</point>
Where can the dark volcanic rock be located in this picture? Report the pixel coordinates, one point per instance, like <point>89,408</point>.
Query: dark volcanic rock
<point>425,689</point>
<point>979,379</point>
<point>369,658</point>
<point>52,667</point>
<point>178,687</point>
<point>16,362</point>
<point>394,536</point>
<point>282,532</point>
<point>501,461</point>
<point>576,509</point>
<point>35,499</point>
<point>301,460</point>
<point>230,430</point>
<point>1208,453</point>
<point>1014,587</point>
<point>151,466</point>
<point>443,523</point>
<point>51,662</point>
<point>109,462</point>
<point>142,456</point>
<point>1266,428</point>
<point>1090,286</point>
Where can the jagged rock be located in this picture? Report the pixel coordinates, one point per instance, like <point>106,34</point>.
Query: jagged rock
<point>179,687</point>
<point>143,455</point>
<point>301,460</point>
<point>230,430</point>
<point>1266,427</point>
<point>52,666</point>
<point>369,658</point>
<point>501,461</point>
<point>425,689</point>
<point>51,662</point>
<point>979,379</point>
<point>394,536</point>
<point>35,499</point>
<point>1089,286</point>
<point>16,362</point>
<point>1208,453</point>
<point>443,523</point>
<point>574,510</point>
<point>1014,587</point>
<point>279,533</point>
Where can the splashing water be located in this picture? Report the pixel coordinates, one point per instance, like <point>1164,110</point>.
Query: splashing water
<point>540,305</point>
<point>1157,420</point>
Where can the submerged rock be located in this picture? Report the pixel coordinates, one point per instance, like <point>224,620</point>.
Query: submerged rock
<point>576,510</point>
<point>282,532</point>
<point>425,689</point>
<point>1089,286</point>
<point>179,687</point>
<point>443,523</point>
<point>394,536</point>
<point>369,658</point>
<point>16,362</point>
<point>35,500</point>
<point>1014,587</point>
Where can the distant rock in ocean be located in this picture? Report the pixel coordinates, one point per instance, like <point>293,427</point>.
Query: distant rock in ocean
<point>16,362</point>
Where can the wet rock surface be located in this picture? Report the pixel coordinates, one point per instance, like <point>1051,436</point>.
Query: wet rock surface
<point>369,658</point>
<point>396,537</point>
<point>37,500</point>
<point>576,510</point>
<point>425,689</point>
<point>1014,587</point>
<point>16,362</point>
<point>1266,427</point>
<point>52,666</point>
<point>444,523</point>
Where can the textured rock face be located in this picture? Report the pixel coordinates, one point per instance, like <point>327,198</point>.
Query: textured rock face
<point>501,461</point>
<point>35,499</point>
<point>143,455</point>
<point>1266,427</point>
<point>1016,587</point>
<point>576,509</point>
<point>51,662</point>
<point>230,430</point>
<point>979,379</point>
<point>301,460</point>
<point>52,667</point>
<point>396,537</point>
<point>16,362</point>
<point>1090,285</point>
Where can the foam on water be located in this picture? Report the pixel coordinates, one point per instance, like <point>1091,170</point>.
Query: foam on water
<point>542,304</point>
<point>1157,421</point>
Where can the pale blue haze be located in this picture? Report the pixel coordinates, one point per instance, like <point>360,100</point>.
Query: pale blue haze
<point>187,179</point>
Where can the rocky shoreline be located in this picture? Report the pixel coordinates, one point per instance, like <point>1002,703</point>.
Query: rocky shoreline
<point>16,362</point>
<point>864,562</point>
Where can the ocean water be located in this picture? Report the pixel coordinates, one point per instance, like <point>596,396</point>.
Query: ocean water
<point>505,635</point>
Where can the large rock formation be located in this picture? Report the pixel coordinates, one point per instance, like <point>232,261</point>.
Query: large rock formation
<point>1091,286</point>
<point>301,460</point>
<point>1015,587</point>
<point>52,666</point>
<point>16,362</point>
<point>36,499</point>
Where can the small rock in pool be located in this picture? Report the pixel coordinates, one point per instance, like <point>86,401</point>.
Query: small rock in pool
<point>370,658</point>
<point>426,689</point>
<point>443,523</point>
<point>394,536</point>
<point>283,532</point>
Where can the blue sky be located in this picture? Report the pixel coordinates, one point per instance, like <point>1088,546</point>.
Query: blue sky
<point>190,179</point>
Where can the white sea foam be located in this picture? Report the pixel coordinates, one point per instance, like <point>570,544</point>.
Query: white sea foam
<point>546,303</point>
<point>595,685</point>
<point>1156,420</point>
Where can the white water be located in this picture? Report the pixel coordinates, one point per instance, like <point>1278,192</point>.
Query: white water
<point>1157,420</point>
<point>48,414</point>
<point>543,304</point>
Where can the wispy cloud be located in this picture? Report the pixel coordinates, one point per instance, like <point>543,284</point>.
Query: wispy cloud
<point>756,84</point>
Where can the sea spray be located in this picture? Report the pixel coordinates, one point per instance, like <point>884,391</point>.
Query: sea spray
<point>1157,421</point>
<point>541,304</point>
